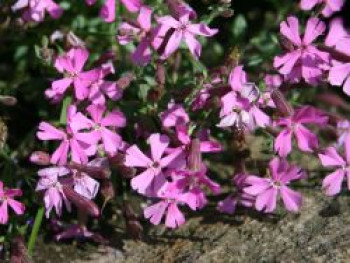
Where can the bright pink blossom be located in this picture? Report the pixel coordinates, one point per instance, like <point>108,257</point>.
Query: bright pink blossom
<point>141,29</point>
<point>330,158</point>
<point>267,190</point>
<point>183,30</point>
<point>34,10</point>
<point>240,107</point>
<point>193,184</point>
<point>172,197</point>
<point>73,141</point>
<point>101,88</point>
<point>338,36</point>
<point>343,130</point>
<point>100,127</point>
<point>7,199</point>
<point>71,65</point>
<point>238,198</point>
<point>108,10</point>
<point>303,60</point>
<point>155,166</point>
<point>295,125</point>
<point>54,196</point>
<point>329,6</point>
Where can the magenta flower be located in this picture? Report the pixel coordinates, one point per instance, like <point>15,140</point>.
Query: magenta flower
<point>295,125</point>
<point>71,64</point>
<point>100,89</point>
<point>267,190</point>
<point>339,75</point>
<point>183,30</point>
<point>330,6</point>
<point>172,196</point>
<point>100,126</point>
<point>239,107</point>
<point>7,199</point>
<point>54,195</point>
<point>175,115</point>
<point>153,175</point>
<point>338,36</point>
<point>79,232</point>
<point>238,198</point>
<point>77,143</point>
<point>343,130</point>
<point>141,29</point>
<point>330,158</point>
<point>107,12</point>
<point>193,184</point>
<point>206,144</point>
<point>303,60</point>
<point>34,10</point>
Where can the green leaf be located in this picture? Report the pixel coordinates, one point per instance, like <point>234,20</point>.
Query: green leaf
<point>37,223</point>
<point>239,26</point>
<point>63,116</point>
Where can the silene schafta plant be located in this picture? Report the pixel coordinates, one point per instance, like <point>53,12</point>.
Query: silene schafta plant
<point>146,118</point>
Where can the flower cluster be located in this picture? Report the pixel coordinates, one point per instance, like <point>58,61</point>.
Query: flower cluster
<point>164,160</point>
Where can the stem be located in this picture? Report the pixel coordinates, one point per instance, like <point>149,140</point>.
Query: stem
<point>37,223</point>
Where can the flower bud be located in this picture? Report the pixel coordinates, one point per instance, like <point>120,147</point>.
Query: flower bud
<point>132,223</point>
<point>179,7</point>
<point>81,202</point>
<point>19,251</point>
<point>337,55</point>
<point>160,73</point>
<point>107,189</point>
<point>8,100</point>
<point>125,80</point>
<point>283,107</point>
<point>93,171</point>
<point>40,158</point>
<point>195,156</point>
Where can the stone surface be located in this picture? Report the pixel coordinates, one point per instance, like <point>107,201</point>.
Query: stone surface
<point>320,233</point>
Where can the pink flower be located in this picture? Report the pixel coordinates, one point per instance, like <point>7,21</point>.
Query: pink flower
<point>338,36</point>
<point>294,125</point>
<point>267,190</point>
<point>176,115</point>
<point>34,10</point>
<point>172,196</point>
<point>71,139</point>
<point>343,130</point>
<point>330,158</point>
<point>183,30</point>
<point>153,175</point>
<point>142,29</point>
<point>239,107</point>
<point>79,232</point>
<point>193,184</point>
<point>54,195</point>
<point>103,88</point>
<point>100,127</point>
<point>330,6</point>
<point>303,60</point>
<point>108,9</point>
<point>238,198</point>
<point>206,144</point>
<point>339,75</point>
<point>7,199</point>
<point>71,64</point>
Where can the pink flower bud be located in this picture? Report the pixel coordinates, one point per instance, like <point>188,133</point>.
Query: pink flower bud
<point>195,156</point>
<point>40,158</point>
<point>8,100</point>
<point>81,202</point>
<point>283,107</point>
